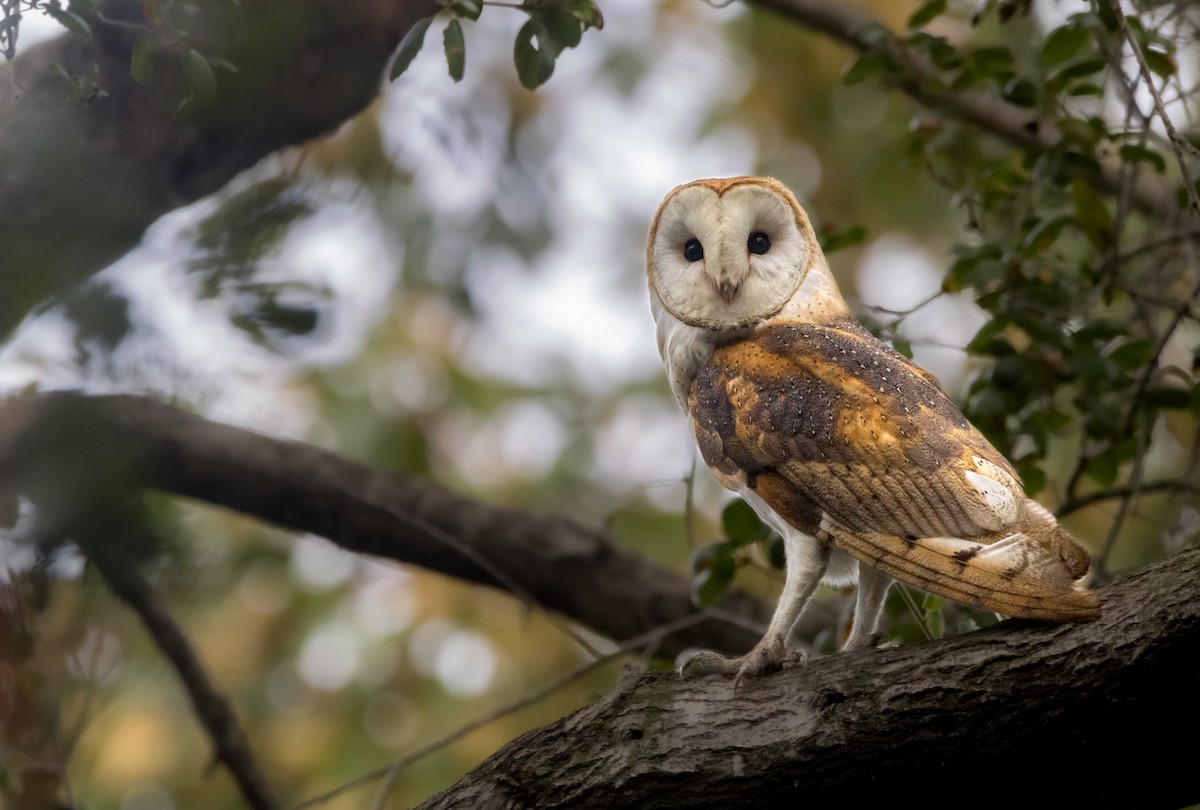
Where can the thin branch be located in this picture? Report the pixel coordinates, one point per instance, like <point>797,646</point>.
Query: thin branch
<point>901,313</point>
<point>1113,493</point>
<point>212,710</point>
<point>391,771</point>
<point>509,582</point>
<point>857,28</point>
<point>1100,565</point>
<point>1177,143</point>
<point>1183,235</point>
<point>911,604</point>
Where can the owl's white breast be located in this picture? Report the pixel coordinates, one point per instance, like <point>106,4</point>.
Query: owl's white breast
<point>683,348</point>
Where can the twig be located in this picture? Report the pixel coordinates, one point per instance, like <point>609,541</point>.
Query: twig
<point>212,710</point>
<point>502,576</point>
<point>902,313</point>
<point>1090,499</point>
<point>1172,134</point>
<point>1114,529</point>
<point>391,771</point>
<point>1184,235</point>
<point>912,608</point>
<point>855,27</point>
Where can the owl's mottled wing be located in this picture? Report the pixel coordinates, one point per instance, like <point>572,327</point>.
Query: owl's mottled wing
<point>847,440</point>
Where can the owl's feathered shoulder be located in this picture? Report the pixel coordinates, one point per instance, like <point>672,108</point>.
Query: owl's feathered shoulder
<point>831,393</point>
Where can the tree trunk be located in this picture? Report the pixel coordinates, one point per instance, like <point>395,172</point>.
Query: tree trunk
<point>1017,715</point>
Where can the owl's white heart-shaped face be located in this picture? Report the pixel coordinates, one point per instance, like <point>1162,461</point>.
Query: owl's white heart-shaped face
<point>727,253</point>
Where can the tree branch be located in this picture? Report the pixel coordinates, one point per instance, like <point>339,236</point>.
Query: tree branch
<point>857,28</point>
<point>214,713</point>
<point>1074,504</point>
<point>83,179</point>
<point>565,566</point>
<point>993,715</point>
<point>1173,137</point>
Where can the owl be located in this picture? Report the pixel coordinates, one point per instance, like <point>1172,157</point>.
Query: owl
<point>853,453</point>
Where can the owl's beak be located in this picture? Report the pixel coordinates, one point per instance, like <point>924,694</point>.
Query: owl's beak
<point>728,290</point>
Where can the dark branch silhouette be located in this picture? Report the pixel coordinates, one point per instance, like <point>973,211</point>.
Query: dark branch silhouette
<point>214,713</point>
<point>565,566</point>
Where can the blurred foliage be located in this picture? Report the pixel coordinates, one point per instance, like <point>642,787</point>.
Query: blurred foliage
<point>451,191</point>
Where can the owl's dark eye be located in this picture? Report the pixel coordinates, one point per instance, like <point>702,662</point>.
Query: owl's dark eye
<point>693,251</point>
<point>758,243</point>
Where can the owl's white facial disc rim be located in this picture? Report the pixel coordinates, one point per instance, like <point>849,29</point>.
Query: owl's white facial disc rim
<point>693,212</point>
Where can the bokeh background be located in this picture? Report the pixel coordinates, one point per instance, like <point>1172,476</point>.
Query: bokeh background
<point>452,285</point>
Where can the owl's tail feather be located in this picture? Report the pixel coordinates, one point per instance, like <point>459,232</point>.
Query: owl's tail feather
<point>1022,575</point>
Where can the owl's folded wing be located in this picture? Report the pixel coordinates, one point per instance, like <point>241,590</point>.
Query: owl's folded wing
<point>846,440</point>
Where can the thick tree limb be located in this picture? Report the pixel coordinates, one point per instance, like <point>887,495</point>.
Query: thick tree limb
<point>565,566</point>
<point>81,180</point>
<point>1095,715</point>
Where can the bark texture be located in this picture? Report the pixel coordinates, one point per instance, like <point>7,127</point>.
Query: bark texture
<point>88,446</point>
<point>1017,715</point>
<point>82,178</point>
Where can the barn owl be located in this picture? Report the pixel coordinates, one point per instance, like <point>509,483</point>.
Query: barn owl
<point>854,454</point>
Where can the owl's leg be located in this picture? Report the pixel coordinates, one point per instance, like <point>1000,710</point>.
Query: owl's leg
<point>872,589</point>
<point>807,559</point>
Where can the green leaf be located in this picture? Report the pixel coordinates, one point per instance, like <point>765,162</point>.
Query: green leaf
<point>141,60</point>
<point>1131,355</point>
<point>903,346</point>
<point>467,9</point>
<point>994,61</point>
<point>586,11</point>
<point>1168,397</point>
<point>201,80</point>
<point>1135,153</point>
<point>843,239</point>
<point>1062,44</point>
<point>535,63</point>
<point>1080,69</point>
<point>740,523</point>
<point>863,68</point>
<point>456,50</point>
<point>1033,479</point>
<point>710,583</point>
<point>72,22</point>
<point>1020,92</point>
<point>777,552</point>
<point>702,558</point>
<point>1045,233</point>
<point>1161,64</point>
<point>560,30</point>
<point>926,13</point>
<point>408,48</point>
<point>1093,214</point>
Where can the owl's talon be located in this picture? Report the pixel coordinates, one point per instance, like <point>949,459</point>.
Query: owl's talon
<point>762,660</point>
<point>707,662</point>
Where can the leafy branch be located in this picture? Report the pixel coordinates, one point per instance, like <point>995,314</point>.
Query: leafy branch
<point>552,27</point>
